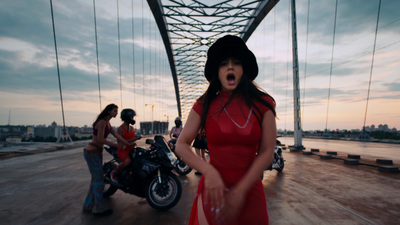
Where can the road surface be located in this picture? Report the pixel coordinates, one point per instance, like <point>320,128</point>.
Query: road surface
<point>49,188</point>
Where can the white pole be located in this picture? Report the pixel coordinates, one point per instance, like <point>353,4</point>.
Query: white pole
<point>296,88</point>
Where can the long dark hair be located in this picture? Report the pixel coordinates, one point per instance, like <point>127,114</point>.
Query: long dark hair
<point>247,88</point>
<point>105,112</point>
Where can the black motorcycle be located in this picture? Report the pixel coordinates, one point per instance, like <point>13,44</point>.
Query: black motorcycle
<point>278,162</point>
<point>149,175</point>
<point>180,167</point>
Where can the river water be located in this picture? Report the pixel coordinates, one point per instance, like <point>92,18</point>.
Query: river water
<point>373,149</point>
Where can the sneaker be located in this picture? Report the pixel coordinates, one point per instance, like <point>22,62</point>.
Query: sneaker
<point>114,176</point>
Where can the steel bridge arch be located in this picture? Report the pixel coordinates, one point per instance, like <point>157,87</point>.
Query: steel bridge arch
<point>189,27</point>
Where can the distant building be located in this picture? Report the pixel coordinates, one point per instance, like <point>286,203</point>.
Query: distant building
<point>51,131</point>
<point>83,132</point>
<point>10,131</point>
<point>155,127</point>
<point>13,140</point>
<point>384,128</point>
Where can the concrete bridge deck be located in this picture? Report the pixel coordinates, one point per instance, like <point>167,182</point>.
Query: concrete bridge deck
<point>49,188</point>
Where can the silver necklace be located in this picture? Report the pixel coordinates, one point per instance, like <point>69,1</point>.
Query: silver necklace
<point>248,117</point>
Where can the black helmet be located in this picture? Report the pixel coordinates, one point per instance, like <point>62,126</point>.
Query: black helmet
<point>127,115</point>
<point>178,122</point>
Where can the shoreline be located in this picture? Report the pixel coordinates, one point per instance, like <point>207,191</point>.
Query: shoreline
<point>386,141</point>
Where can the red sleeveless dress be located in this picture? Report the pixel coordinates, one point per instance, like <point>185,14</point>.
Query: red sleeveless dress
<point>233,137</point>
<point>123,154</point>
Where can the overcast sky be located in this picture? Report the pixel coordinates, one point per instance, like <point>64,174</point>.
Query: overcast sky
<point>29,89</point>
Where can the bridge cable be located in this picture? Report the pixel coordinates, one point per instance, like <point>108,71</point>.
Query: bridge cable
<point>58,67</point>
<point>159,96</point>
<point>133,61</point>
<point>330,74</point>
<point>305,65</point>
<point>265,61</point>
<point>119,55</point>
<point>143,96</point>
<point>357,57</point>
<point>273,70</point>
<point>150,73</point>
<point>97,50</point>
<point>372,64</point>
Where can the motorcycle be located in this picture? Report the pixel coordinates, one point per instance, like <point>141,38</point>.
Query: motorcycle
<point>278,162</point>
<point>180,167</point>
<point>149,175</point>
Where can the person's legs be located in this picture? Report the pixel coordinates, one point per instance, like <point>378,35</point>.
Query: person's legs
<point>89,200</point>
<point>94,199</point>
<point>126,160</point>
<point>201,216</point>
<point>197,152</point>
<point>203,154</point>
<point>124,164</point>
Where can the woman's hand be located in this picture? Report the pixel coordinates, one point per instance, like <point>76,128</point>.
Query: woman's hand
<point>233,203</point>
<point>214,190</point>
<point>132,144</point>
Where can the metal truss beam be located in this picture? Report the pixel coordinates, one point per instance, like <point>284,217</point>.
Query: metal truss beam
<point>189,27</point>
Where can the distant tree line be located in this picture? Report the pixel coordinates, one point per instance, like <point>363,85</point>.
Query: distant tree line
<point>353,134</point>
<point>384,135</point>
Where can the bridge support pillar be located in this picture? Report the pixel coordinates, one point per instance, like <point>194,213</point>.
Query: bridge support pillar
<point>296,89</point>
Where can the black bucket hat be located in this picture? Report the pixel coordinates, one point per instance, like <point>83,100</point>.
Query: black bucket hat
<point>230,46</point>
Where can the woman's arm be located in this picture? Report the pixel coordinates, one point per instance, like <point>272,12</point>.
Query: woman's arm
<point>170,133</point>
<point>264,158</point>
<point>213,183</point>
<point>265,154</point>
<point>134,139</point>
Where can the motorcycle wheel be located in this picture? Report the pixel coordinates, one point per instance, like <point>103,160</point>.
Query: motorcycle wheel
<point>164,195</point>
<point>109,188</point>
<point>281,165</point>
<point>181,168</point>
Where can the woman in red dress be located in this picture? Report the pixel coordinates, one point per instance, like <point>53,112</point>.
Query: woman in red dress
<point>239,121</point>
<point>127,132</point>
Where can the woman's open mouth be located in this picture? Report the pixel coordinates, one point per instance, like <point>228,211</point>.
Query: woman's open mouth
<point>231,79</point>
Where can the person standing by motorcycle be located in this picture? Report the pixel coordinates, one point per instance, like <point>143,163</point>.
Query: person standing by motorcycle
<point>126,131</point>
<point>239,120</point>
<point>93,153</point>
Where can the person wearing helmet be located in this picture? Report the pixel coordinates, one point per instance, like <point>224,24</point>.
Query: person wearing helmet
<point>239,121</point>
<point>177,129</point>
<point>127,131</point>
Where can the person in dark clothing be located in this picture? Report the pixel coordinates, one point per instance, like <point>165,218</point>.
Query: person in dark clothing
<point>200,146</point>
